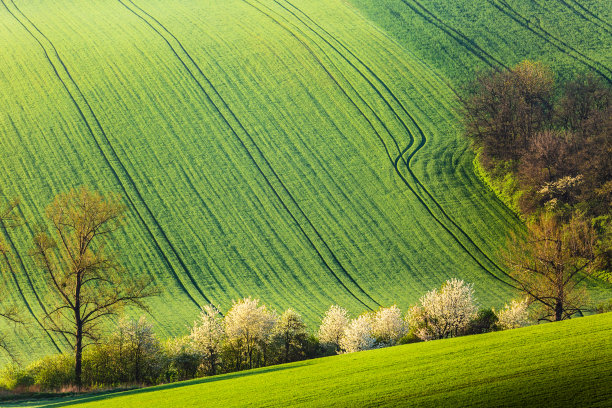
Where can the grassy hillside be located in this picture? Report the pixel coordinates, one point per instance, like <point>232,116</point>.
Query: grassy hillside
<point>292,151</point>
<point>462,36</point>
<point>557,364</point>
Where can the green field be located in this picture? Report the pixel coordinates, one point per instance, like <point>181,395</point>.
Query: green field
<point>558,365</point>
<point>304,152</point>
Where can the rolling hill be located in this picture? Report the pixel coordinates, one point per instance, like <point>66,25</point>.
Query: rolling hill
<point>303,152</point>
<point>557,364</point>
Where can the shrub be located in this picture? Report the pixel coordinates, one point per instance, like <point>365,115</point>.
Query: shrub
<point>484,322</point>
<point>443,313</point>
<point>514,315</point>
<point>53,372</point>
<point>101,365</point>
<point>182,361</point>
<point>14,377</point>
<point>604,307</point>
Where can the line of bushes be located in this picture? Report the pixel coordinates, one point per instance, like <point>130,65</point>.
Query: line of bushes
<point>252,335</point>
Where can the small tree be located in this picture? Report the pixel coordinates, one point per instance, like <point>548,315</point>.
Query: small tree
<point>207,336</point>
<point>388,326</point>
<point>514,315</point>
<point>248,327</point>
<point>551,264</point>
<point>358,335</point>
<point>444,313</point>
<point>138,349</point>
<point>333,325</point>
<point>291,330</point>
<point>183,361</point>
<point>88,283</point>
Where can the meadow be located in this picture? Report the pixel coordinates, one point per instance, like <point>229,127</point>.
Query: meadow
<point>558,364</point>
<point>301,152</point>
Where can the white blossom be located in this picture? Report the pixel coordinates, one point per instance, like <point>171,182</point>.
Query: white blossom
<point>445,312</point>
<point>333,325</point>
<point>514,315</point>
<point>388,326</point>
<point>207,336</point>
<point>248,326</point>
<point>358,335</point>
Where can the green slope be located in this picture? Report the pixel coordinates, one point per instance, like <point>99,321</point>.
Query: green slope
<point>462,36</point>
<point>557,364</point>
<point>290,151</point>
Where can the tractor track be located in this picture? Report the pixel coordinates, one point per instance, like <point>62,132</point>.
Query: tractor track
<point>565,48</point>
<point>96,124</point>
<point>402,152</point>
<point>239,127</point>
<point>456,35</point>
<point>8,238</point>
<point>583,15</point>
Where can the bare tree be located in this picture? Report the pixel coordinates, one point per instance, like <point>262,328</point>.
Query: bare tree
<point>88,282</point>
<point>504,110</point>
<point>552,263</point>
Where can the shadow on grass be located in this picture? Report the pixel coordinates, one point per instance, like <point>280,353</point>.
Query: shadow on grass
<point>79,399</point>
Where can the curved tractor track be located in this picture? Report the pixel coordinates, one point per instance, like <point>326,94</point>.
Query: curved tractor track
<point>401,152</point>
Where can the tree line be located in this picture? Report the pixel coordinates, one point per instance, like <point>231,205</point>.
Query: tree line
<point>253,335</point>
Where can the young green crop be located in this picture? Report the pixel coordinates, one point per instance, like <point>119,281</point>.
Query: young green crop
<point>555,364</point>
<point>287,150</point>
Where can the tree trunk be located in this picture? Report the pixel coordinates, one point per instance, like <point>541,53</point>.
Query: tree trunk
<point>287,344</point>
<point>250,353</point>
<point>78,345</point>
<point>78,356</point>
<point>213,363</point>
<point>559,311</point>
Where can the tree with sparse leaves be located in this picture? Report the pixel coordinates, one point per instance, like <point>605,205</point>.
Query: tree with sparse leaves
<point>88,283</point>
<point>138,350</point>
<point>551,265</point>
<point>290,329</point>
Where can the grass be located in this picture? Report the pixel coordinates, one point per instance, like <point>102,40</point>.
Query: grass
<point>557,364</point>
<point>291,151</point>
<point>461,37</point>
